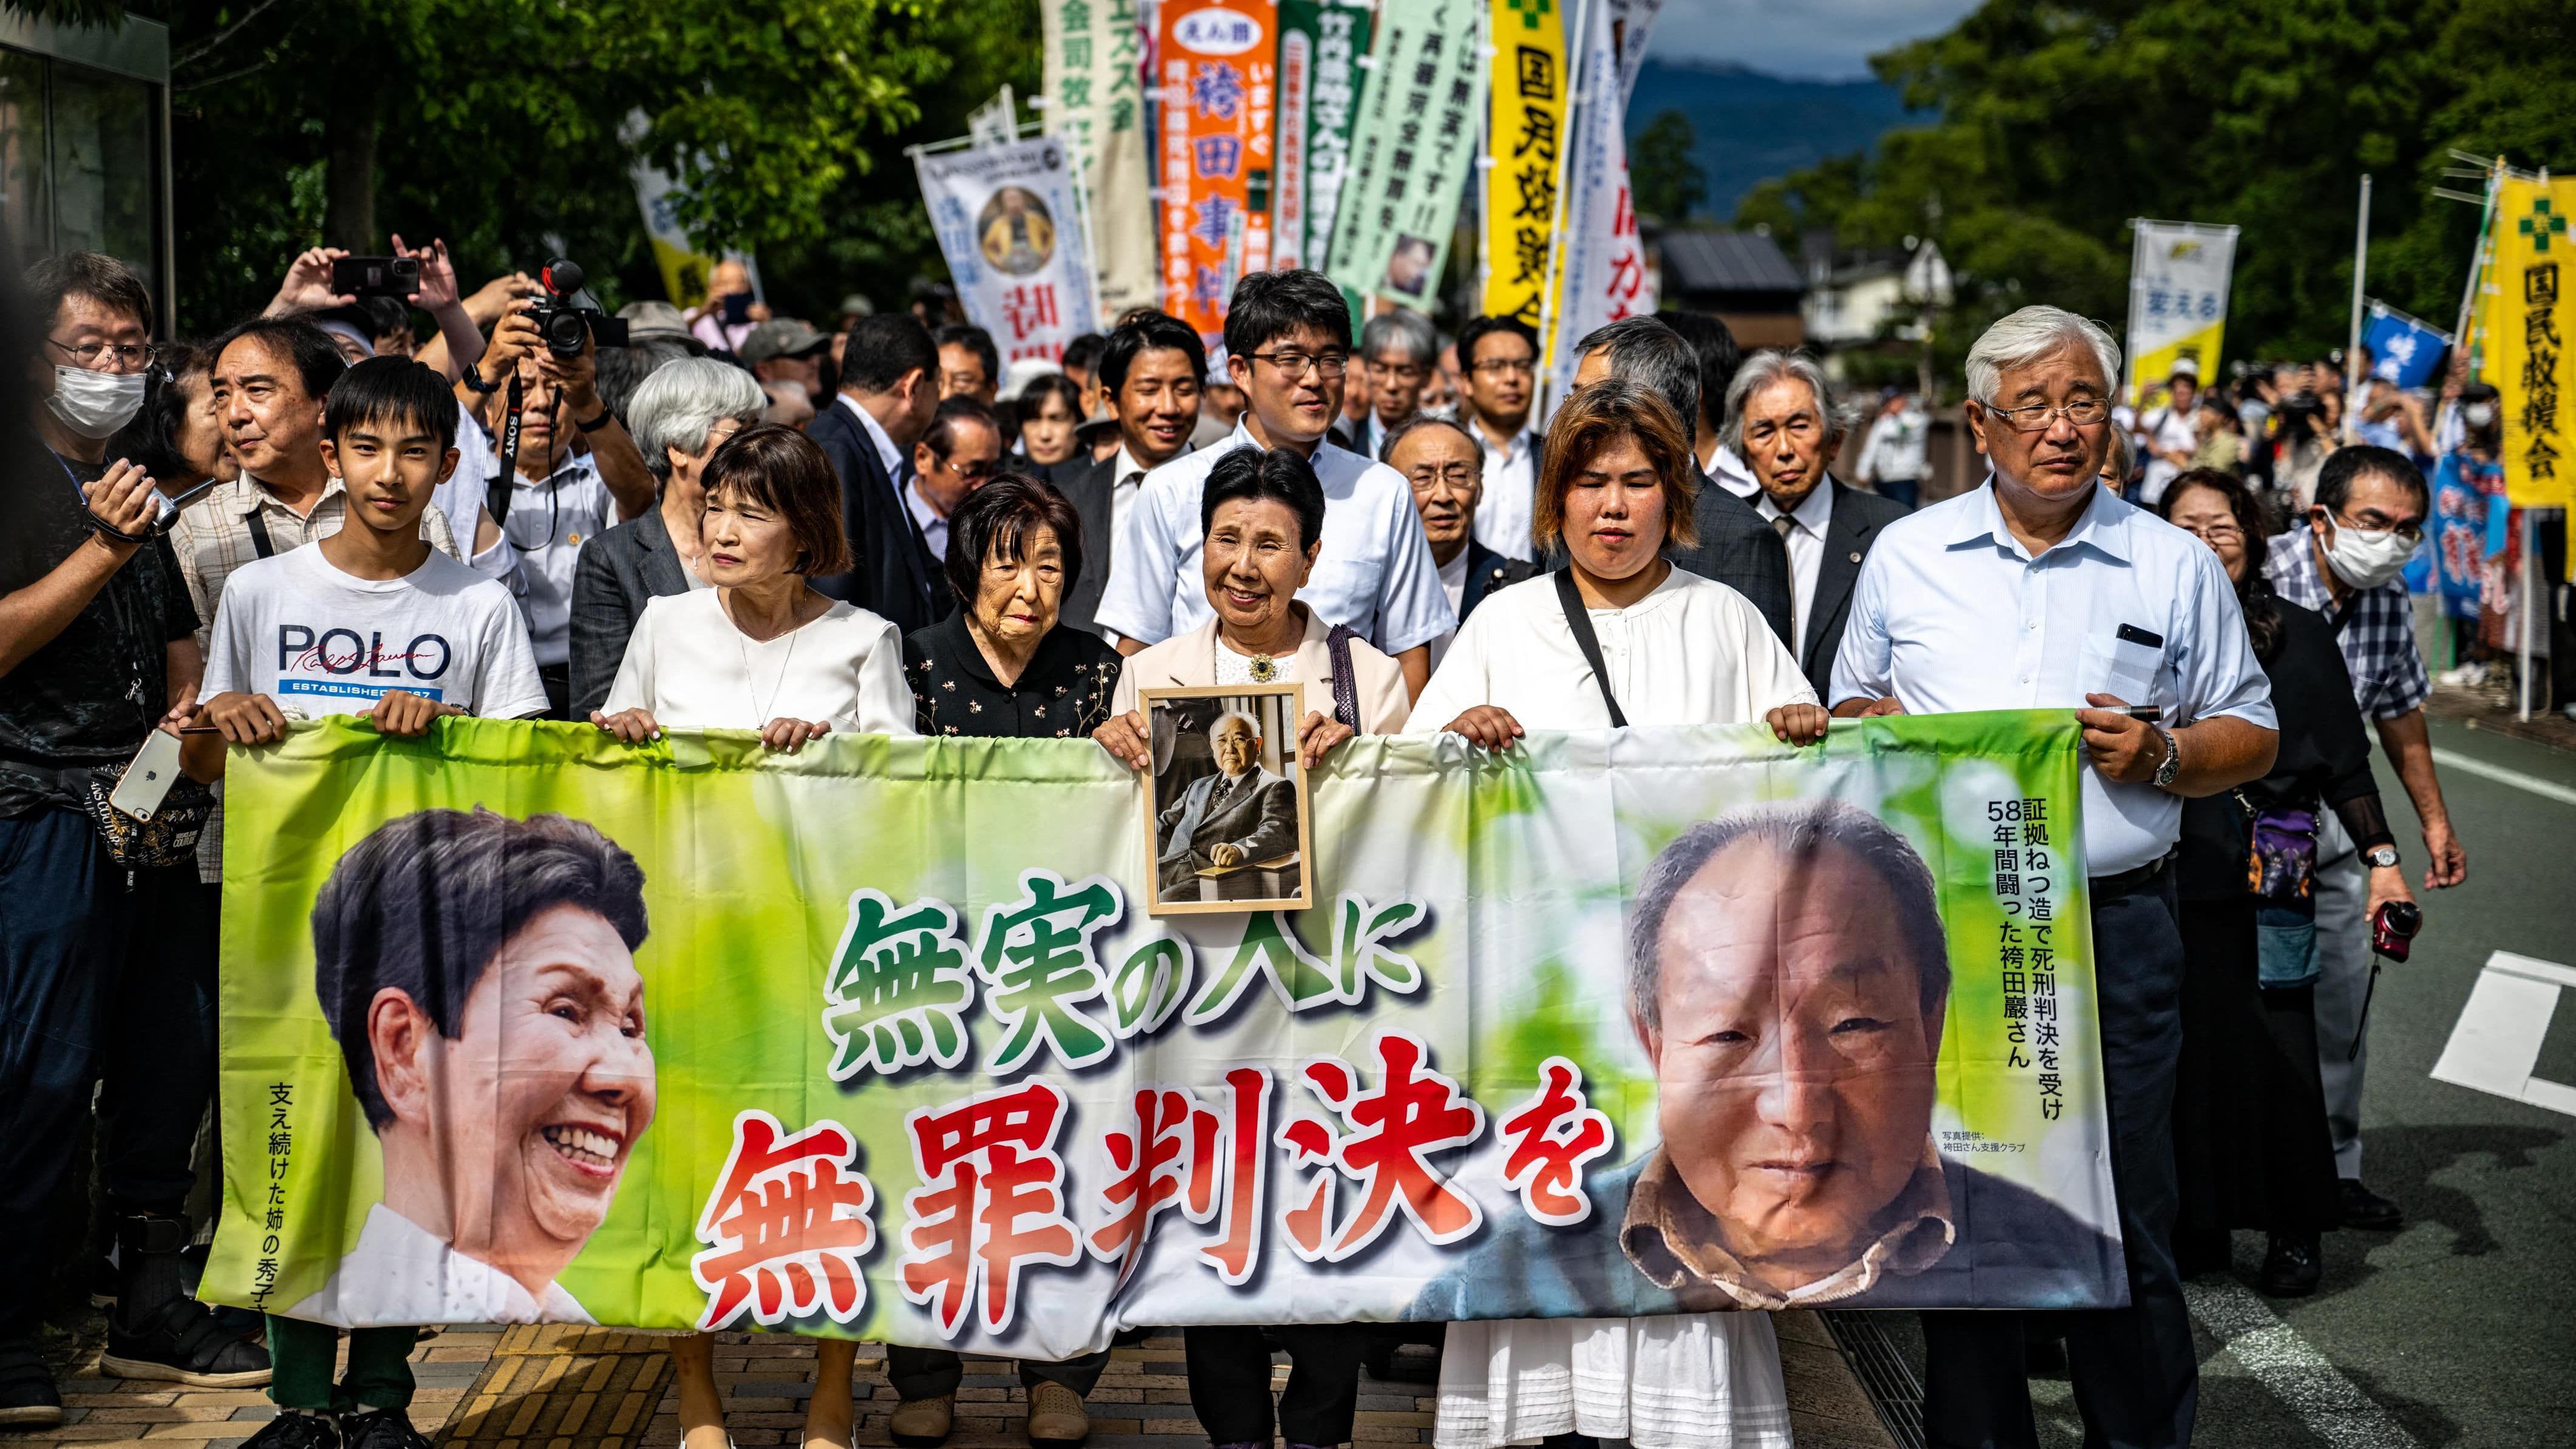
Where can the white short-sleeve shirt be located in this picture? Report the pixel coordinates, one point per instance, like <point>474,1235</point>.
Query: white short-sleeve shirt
<point>1951,613</point>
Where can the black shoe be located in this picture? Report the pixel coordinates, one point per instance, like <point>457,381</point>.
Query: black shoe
<point>157,1331</point>
<point>380,1429</point>
<point>2368,1211</point>
<point>296,1429</point>
<point>2290,1266</point>
<point>28,1398</point>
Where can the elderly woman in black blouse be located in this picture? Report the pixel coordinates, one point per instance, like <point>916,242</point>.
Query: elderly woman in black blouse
<point>999,665</point>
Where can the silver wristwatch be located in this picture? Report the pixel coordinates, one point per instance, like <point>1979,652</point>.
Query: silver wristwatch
<point>2380,857</point>
<point>2172,767</point>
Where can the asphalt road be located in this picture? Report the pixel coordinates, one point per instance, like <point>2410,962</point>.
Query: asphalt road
<point>2459,1329</point>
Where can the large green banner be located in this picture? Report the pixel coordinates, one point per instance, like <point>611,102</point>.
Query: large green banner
<point>522,1024</point>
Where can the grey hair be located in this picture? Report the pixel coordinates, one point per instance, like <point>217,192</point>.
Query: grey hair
<point>2123,455</point>
<point>1798,830</point>
<point>676,406</point>
<point>2027,336</point>
<point>1402,330</point>
<point>1418,422</point>
<point>1654,356</point>
<point>1244,715</point>
<point>1767,367</point>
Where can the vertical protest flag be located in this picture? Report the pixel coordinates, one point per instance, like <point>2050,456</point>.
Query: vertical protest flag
<point>1601,267</point>
<point>1631,21</point>
<point>2177,300</point>
<point>1320,46</point>
<point>1008,226</point>
<point>684,267</point>
<point>1412,150</point>
<point>1096,102</point>
<point>2403,350</point>
<point>1217,65</point>
<point>2522,332</point>
<point>1525,126</point>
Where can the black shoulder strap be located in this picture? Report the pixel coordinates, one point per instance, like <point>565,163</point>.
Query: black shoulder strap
<point>1580,621</point>
<point>259,539</point>
<point>1346,690</point>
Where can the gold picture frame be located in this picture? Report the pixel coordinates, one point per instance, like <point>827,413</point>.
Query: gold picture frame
<point>1204,882</point>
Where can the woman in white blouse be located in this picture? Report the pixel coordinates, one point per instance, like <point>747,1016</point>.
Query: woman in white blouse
<point>762,650</point>
<point>1675,649</point>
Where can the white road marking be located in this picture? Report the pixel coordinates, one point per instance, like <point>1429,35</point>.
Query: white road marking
<point>2291,1368</point>
<point>2471,765</point>
<point>2496,1041</point>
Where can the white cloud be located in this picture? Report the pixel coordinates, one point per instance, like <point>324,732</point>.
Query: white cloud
<point>1814,39</point>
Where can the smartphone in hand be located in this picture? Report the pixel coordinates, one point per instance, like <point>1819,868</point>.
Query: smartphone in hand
<point>148,779</point>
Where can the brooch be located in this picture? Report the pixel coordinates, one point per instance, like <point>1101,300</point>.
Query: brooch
<point>1264,669</point>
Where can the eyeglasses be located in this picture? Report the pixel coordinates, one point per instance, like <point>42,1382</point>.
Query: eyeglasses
<point>2411,532</point>
<point>1293,363</point>
<point>1505,366</point>
<point>2216,532</point>
<point>109,356</point>
<point>2084,412</point>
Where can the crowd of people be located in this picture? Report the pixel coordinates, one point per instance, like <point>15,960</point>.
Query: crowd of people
<point>741,521</point>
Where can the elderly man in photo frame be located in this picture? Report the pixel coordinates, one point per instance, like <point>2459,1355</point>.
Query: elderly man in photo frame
<point>1239,815</point>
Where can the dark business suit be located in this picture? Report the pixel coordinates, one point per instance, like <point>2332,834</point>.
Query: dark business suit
<point>1857,518</point>
<point>1488,571</point>
<point>1258,815</point>
<point>1738,548</point>
<point>1087,486</point>
<point>620,572</point>
<point>896,578</point>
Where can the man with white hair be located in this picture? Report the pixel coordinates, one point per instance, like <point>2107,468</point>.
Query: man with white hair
<point>1781,419</point>
<point>2041,590</point>
<point>1237,816</point>
<point>1401,349</point>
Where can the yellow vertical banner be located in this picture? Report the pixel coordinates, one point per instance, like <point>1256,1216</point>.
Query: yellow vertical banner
<point>1524,127</point>
<point>2523,326</point>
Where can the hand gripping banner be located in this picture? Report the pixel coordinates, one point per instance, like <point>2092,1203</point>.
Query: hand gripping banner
<point>521,1024</point>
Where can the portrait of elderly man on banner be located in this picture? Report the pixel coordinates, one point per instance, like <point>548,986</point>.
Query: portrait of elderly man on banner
<point>1789,980</point>
<point>1226,805</point>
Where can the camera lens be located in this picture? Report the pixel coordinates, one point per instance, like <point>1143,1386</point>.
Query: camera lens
<point>564,331</point>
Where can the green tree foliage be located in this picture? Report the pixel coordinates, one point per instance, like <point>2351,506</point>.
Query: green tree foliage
<point>2060,120</point>
<point>1661,167</point>
<point>503,126</point>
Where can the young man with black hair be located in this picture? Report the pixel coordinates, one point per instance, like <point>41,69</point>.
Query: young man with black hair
<point>1499,356</point>
<point>889,389</point>
<point>1081,364</point>
<point>1736,547</point>
<point>97,649</point>
<point>969,364</point>
<point>1288,346</point>
<point>2346,562</point>
<point>1149,372</point>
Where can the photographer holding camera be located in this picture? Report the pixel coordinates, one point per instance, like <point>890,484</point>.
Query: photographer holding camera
<point>567,470</point>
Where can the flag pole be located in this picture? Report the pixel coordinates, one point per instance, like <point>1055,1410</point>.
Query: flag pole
<point>1548,319</point>
<point>2530,599</point>
<point>2352,348</point>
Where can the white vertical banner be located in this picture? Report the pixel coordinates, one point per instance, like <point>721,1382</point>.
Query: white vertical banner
<point>1011,231</point>
<point>1631,22</point>
<point>2177,301</point>
<point>1601,270</point>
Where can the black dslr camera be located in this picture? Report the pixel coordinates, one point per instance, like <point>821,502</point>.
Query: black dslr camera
<point>562,321</point>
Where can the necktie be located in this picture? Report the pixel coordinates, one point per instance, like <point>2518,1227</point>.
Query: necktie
<point>1782,524</point>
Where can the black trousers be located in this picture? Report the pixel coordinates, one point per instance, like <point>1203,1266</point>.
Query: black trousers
<point>1230,1382</point>
<point>2136,1378</point>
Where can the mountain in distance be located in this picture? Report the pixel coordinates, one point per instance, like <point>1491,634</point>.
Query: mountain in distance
<point>1752,126</point>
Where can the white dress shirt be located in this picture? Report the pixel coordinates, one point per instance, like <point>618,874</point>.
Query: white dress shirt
<point>401,1274</point>
<point>1453,587</point>
<point>549,522</point>
<point>933,524</point>
<point>1511,483</point>
<point>1374,576</point>
<point>887,452</point>
<point>2162,430</point>
<point>1126,480</point>
<point>1951,613</point>
<point>1691,652</point>
<point>1732,475</point>
<point>1806,542</point>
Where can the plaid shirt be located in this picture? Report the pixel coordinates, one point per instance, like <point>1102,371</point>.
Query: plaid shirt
<point>2377,634</point>
<point>213,538</point>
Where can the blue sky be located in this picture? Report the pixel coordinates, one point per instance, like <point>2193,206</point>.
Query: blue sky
<point>1811,39</point>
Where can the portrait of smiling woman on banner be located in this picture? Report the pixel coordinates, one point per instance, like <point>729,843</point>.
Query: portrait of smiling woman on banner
<point>479,975</point>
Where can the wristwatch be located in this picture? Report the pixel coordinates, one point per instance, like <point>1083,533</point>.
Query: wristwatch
<point>2380,857</point>
<point>2172,767</point>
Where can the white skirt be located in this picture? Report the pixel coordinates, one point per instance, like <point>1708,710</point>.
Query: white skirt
<point>1680,1381</point>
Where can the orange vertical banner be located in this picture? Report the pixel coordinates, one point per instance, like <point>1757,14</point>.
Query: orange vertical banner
<point>1219,81</point>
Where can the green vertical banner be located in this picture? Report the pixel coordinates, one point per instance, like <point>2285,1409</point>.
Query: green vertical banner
<point>520,1024</point>
<point>1321,43</point>
<point>1413,149</point>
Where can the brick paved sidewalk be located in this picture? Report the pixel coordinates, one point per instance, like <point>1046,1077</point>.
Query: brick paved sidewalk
<point>604,1388</point>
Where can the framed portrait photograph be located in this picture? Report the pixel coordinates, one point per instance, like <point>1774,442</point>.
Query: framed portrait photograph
<point>1225,807</point>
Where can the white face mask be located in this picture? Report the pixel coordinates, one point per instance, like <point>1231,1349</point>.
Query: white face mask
<point>2365,558</point>
<point>95,404</point>
<point>2478,415</point>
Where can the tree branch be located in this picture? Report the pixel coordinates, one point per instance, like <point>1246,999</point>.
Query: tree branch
<point>202,47</point>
